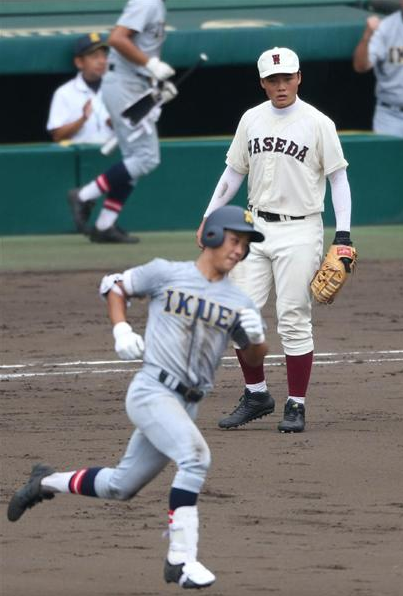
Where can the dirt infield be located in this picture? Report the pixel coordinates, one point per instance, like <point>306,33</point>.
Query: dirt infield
<point>317,514</point>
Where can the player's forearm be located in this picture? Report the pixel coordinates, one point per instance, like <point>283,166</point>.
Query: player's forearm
<point>341,199</point>
<point>116,306</point>
<point>254,354</point>
<point>227,187</point>
<point>67,131</point>
<point>120,39</point>
<point>361,61</point>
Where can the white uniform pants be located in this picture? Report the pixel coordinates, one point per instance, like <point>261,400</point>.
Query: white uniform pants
<point>388,121</point>
<point>165,431</point>
<point>142,155</point>
<point>286,261</point>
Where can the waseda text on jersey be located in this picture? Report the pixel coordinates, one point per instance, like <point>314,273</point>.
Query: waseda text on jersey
<point>277,145</point>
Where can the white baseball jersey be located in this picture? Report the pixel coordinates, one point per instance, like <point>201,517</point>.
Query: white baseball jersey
<point>146,18</point>
<point>67,106</point>
<point>385,52</point>
<point>287,154</point>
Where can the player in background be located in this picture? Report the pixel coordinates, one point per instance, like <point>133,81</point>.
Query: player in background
<point>134,62</point>
<point>193,312</point>
<point>77,112</point>
<point>381,48</point>
<point>287,148</point>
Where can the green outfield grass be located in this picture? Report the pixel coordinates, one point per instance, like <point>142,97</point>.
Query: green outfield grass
<point>75,252</point>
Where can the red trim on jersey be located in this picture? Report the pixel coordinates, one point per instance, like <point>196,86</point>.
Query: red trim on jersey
<point>170,516</point>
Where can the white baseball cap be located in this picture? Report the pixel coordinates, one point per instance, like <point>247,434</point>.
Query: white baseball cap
<point>277,61</point>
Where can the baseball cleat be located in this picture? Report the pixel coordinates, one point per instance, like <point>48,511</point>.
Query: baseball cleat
<point>191,576</point>
<point>294,418</point>
<point>30,494</point>
<point>251,406</point>
<point>112,235</point>
<point>81,210</point>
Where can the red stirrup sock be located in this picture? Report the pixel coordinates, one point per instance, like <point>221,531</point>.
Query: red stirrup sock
<point>298,373</point>
<point>252,374</point>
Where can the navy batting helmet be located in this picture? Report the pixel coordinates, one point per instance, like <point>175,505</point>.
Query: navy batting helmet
<point>229,217</point>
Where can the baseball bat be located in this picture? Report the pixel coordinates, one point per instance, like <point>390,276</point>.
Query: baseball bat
<point>142,106</point>
<point>201,59</point>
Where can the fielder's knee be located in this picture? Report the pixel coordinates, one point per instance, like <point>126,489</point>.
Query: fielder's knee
<point>297,347</point>
<point>296,340</point>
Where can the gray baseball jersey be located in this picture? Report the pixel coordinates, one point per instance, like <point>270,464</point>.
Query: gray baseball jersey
<point>188,328</point>
<point>190,318</point>
<point>146,18</point>
<point>385,53</point>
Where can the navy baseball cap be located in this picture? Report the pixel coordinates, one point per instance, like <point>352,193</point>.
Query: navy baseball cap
<point>88,44</point>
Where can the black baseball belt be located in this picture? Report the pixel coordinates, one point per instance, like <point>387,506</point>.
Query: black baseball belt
<point>267,216</point>
<point>112,67</point>
<point>190,394</point>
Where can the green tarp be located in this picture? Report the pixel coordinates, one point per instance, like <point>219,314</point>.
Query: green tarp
<point>179,188</point>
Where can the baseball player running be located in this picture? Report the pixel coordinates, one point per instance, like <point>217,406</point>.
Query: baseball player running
<point>194,310</point>
<point>133,66</point>
<point>288,149</point>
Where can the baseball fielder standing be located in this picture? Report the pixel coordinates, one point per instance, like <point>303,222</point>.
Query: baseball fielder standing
<point>193,312</point>
<point>288,149</point>
<point>134,64</point>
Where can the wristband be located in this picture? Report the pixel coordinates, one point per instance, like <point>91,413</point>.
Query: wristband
<point>342,237</point>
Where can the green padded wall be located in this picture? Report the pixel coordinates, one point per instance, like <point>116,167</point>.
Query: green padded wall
<point>376,178</point>
<point>175,195</point>
<point>36,180</point>
<point>34,177</point>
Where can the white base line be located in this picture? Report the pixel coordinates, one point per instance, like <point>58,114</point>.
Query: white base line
<point>103,371</point>
<point>268,357</point>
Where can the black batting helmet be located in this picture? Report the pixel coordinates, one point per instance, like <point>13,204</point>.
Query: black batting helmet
<point>229,217</point>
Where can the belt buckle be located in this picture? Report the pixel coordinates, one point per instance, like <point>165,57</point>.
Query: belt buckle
<point>193,395</point>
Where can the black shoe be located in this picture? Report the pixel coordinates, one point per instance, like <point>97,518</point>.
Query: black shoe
<point>294,418</point>
<point>30,494</point>
<point>251,406</point>
<point>112,235</point>
<point>188,575</point>
<point>121,230</point>
<point>81,210</point>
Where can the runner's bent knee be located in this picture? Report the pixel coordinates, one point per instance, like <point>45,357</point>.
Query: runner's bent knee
<point>193,468</point>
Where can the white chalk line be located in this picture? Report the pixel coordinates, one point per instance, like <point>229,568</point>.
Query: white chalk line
<point>228,362</point>
<point>268,357</point>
